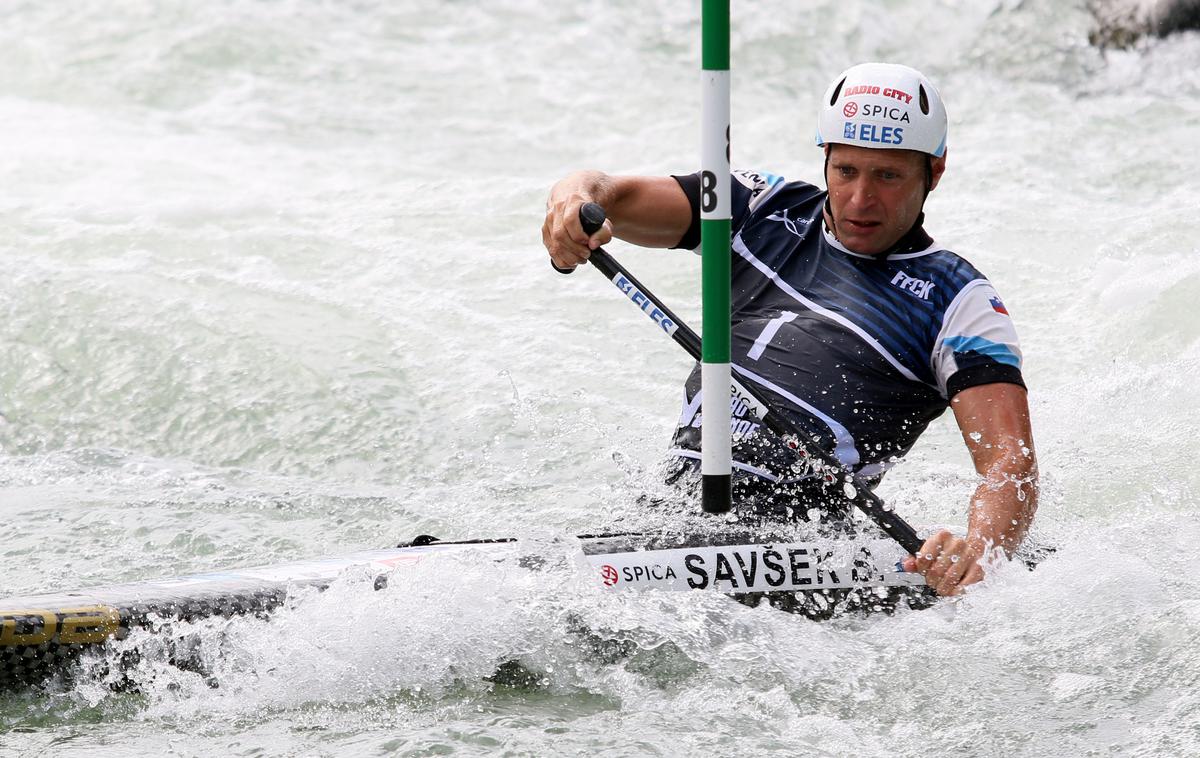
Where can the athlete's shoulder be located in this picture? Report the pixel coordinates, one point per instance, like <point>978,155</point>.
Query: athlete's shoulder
<point>951,271</point>
<point>752,192</point>
<point>757,182</point>
<point>763,188</point>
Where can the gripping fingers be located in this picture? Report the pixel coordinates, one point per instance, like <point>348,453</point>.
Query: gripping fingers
<point>953,565</point>
<point>948,563</point>
<point>563,261</point>
<point>941,565</point>
<point>929,553</point>
<point>564,237</point>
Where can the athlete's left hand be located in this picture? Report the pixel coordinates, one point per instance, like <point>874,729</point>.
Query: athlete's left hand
<point>948,563</point>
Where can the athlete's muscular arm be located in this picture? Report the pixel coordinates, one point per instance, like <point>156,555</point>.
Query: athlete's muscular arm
<point>994,420</point>
<point>651,211</point>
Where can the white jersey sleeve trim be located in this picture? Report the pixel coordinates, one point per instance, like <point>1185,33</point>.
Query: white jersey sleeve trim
<point>761,184</point>
<point>974,320</point>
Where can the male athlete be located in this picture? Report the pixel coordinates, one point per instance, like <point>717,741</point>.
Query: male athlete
<point>853,320</point>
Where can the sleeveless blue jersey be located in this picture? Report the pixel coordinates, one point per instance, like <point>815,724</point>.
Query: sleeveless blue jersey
<point>860,352</point>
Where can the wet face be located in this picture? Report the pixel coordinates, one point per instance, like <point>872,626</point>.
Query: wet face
<point>876,195</point>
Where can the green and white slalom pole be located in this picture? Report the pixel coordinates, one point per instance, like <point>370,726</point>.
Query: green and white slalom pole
<point>715,455</point>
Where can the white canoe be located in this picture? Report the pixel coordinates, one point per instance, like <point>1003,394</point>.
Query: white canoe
<point>45,633</point>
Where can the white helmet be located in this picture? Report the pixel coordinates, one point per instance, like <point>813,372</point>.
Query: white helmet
<point>883,105</point>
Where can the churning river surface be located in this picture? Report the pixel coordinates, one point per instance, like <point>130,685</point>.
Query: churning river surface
<point>273,287</point>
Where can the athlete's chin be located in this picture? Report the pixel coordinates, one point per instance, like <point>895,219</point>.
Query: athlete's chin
<point>865,242</point>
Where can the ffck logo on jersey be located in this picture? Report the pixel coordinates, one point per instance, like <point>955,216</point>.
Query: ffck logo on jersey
<point>918,287</point>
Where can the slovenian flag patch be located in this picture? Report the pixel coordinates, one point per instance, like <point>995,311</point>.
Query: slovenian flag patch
<point>998,306</point>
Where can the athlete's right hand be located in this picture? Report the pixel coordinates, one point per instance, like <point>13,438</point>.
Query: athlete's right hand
<point>563,235</point>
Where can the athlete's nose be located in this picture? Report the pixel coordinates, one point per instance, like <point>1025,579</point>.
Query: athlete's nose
<point>861,193</point>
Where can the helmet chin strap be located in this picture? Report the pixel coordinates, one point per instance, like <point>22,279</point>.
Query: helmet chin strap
<point>828,208</point>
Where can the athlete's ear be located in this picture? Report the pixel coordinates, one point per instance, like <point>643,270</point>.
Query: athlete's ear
<point>939,167</point>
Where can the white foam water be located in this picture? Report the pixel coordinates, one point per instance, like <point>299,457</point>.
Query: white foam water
<point>274,288</point>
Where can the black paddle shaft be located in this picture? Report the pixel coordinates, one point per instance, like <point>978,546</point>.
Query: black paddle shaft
<point>592,216</point>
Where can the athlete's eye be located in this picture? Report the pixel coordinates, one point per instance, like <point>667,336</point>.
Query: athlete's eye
<point>889,175</point>
<point>845,171</point>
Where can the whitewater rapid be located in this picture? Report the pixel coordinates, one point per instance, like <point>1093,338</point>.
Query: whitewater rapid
<point>274,288</point>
